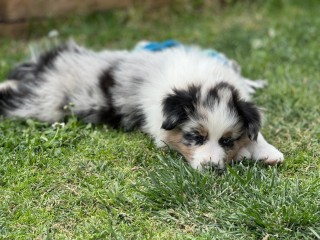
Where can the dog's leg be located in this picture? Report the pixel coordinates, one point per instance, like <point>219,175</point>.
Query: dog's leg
<point>12,96</point>
<point>256,84</point>
<point>253,85</point>
<point>261,150</point>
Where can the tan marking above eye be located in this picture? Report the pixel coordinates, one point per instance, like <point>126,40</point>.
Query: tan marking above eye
<point>233,135</point>
<point>227,135</point>
<point>203,131</point>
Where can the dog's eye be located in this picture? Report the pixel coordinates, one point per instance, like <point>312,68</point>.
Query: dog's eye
<point>194,137</point>
<point>226,142</point>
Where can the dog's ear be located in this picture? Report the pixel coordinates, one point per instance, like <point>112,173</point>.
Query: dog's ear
<point>176,107</point>
<point>251,118</point>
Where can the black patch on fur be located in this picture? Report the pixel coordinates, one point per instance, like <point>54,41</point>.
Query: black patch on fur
<point>111,116</point>
<point>213,94</point>
<point>47,59</point>
<point>106,81</point>
<point>247,111</point>
<point>250,117</point>
<point>179,105</point>
<point>31,71</point>
<point>100,115</point>
<point>136,119</point>
<point>11,99</point>
<point>29,76</point>
<point>22,71</point>
<point>107,115</point>
<point>6,100</point>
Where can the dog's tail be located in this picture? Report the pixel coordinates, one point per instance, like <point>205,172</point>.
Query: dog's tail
<point>19,94</point>
<point>14,92</point>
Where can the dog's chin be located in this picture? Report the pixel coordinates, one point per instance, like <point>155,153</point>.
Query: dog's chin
<point>217,157</point>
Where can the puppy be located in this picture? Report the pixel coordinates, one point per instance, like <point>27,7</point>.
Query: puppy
<point>183,99</point>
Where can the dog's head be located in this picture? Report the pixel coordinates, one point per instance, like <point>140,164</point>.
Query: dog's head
<point>208,126</point>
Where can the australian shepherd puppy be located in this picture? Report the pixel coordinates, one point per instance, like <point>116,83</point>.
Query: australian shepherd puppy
<point>180,97</point>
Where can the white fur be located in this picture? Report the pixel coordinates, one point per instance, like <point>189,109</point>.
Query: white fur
<point>261,150</point>
<point>11,84</point>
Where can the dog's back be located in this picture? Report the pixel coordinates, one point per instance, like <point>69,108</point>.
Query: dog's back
<point>66,80</point>
<point>113,87</point>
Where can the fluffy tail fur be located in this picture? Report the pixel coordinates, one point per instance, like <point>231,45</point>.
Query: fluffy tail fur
<point>18,90</point>
<point>65,76</point>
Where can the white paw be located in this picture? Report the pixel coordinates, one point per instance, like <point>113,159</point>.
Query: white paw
<point>268,154</point>
<point>252,86</point>
<point>256,84</point>
<point>205,164</point>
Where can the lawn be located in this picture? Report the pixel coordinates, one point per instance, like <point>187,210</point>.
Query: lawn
<point>79,181</point>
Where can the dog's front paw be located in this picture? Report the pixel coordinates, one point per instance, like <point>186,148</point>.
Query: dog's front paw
<point>268,154</point>
<point>207,164</point>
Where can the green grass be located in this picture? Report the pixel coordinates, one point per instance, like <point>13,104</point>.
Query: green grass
<point>91,182</point>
